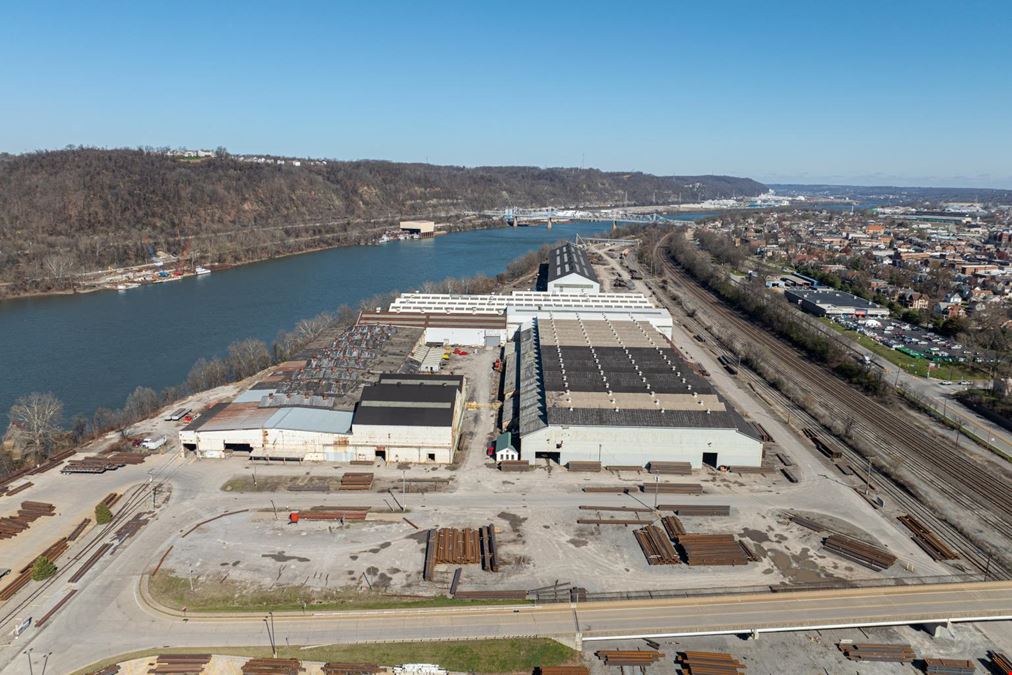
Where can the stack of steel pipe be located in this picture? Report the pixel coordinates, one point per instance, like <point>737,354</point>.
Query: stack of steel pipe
<point>656,547</point>
<point>697,509</point>
<point>110,499</point>
<point>950,667</point>
<point>180,664</point>
<point>807,523</point>
<point>869,651</point>
<point>466,546</point>
<point>624,509</point>
<point>672,488</point>
<point>860,552</point>
<point>78,530</point>
<point>353,480</point>
<point>272,667</point>
<point>712,549</point>
<point>21,488</point>
<point>674,468</point>
<point>584,467</point>
<point>710,663</point>
<point>619,489</point>
<point>628,657</point>
<point>927,540</point>
<point>609,521</point>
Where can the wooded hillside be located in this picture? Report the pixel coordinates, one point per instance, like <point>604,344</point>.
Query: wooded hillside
<point>75,210</point>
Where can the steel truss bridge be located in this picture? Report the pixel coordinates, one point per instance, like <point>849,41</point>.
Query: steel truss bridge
<point>514,215</point>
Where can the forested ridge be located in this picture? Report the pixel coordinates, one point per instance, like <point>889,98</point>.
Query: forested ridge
<point>67,211</point>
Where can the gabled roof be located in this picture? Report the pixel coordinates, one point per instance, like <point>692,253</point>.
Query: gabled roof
<point>568,259</point>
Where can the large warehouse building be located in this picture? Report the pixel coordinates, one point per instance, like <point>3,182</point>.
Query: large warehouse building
<point>615,392</point>
<point>569,271</point>
<point>834,303</point>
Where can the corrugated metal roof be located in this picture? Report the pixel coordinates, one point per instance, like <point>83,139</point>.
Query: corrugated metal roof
<point>568,259</point>
<point>310,419</point>
<point>253,395</point>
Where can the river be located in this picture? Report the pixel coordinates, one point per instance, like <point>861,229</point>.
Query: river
<point>91,350</point>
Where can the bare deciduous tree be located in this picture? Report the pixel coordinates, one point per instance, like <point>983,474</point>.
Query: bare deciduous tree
<point>36,420</point>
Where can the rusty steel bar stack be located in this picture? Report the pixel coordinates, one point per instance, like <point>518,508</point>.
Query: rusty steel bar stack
<point>180,664</point>
<point>89,563</point>
<point>609,521</point>
<point>584,467</point>
<point>618,489</point>
<point>696,509</point>
<point>710,663</point>
<point>78,530</point>
<point>624,509</point>
<point>673,526</point>
<point>712,549</point>
<point>950,667</point>
<point>628,657</point>
<point>466,546</point>
<point>11,526</point>
<point>869,651</point>
<point>272,667</point>
<point>656,547</point>
<point>673,468</point>
<point>927,540</point>
<point>335,513</point>
<point>860,552</point>
<point>672,488</point>
<point>354,480</point>
<point>562,670</point>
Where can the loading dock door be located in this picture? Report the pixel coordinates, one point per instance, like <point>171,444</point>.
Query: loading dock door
<point>710,458</point>
<point>491,340</point>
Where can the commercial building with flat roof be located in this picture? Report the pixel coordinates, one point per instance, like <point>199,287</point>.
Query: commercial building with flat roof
<point>616,392</point>
<point>834,303</point>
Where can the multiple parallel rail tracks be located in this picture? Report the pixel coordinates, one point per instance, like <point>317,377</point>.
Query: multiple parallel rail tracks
<point>898,437</point>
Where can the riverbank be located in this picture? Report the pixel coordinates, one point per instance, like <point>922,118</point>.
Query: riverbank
<point>135,276</point>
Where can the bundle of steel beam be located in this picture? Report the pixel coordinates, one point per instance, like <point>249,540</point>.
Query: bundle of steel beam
<point>673,526</point>
<point>624,467</point>
<point>618,489</point>
<point>44,619</point>
<point>860,552</point>
<point>710,663</point>
<point>675,468</point>
<point>927,540</point>
<point>950,667</point>
<point>784,459</point>
<point>584,467</point>
<point>562,670</point>
<point>180,664</point>
<point>353,480</point>
<point>656,547</point>
<point>11,526</point>
<point>78,530</point>
<point>789,475</point>
<point>21,488</point>
<point>467,546</point>
<point>609,521</point>
<point>345,513</point>
<point>624,509</point>
<point>628,657</point>
<point>89,563</point>
<point>697,509</point>
<point>869,651</point>
<point>272,667</point>
<point>672,488</point>
<point>712,549</point>
<point>807,523</point>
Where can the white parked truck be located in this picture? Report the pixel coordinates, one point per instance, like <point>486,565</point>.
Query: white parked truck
<point>152,443</point>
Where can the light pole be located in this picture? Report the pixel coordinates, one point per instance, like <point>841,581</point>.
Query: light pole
<point>28,655</point>
<point>45,662</point>
<point>273,645</point>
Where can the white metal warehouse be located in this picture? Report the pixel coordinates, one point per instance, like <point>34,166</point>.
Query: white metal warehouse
<point>616,392</point>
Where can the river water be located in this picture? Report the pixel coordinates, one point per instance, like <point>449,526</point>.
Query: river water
<point>91,350</point>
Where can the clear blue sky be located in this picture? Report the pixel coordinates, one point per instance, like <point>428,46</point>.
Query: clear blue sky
<point>913,93</point>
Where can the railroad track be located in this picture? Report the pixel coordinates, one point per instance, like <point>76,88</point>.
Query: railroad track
<point>961,480</point>
<point>138,497</point>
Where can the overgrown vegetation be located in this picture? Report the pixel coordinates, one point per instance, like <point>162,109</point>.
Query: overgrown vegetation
<point>84,209</point>
<point>223,595</point>
<point>42,568</point>
<point>466,656</point>
<point>103,515</point>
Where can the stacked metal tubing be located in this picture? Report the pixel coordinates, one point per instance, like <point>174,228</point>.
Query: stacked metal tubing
<point>860,552</point>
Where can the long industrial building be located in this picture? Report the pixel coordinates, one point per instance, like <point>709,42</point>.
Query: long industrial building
<point>569,271</point>
<point>616,392</point>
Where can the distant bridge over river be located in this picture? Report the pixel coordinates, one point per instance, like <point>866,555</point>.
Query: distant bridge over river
<point>516,216</point>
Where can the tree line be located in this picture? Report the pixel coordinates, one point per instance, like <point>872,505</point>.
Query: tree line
<point>85,209</point>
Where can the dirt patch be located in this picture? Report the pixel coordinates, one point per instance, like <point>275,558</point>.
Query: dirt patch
<point>514,520</point>
<point>757,536</point>
<point>280,556</point>
<point>578,543</point>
